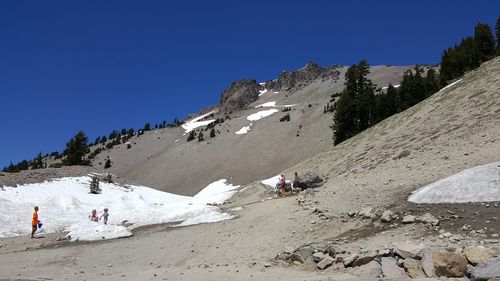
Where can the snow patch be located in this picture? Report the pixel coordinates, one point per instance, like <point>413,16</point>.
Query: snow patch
<point>261,114</point>
<point>261,92</point>
<point>267,104</point>
<point>244,130</point>
<point>395,86</point>
<point>478,184</point>
<point>444,88</point>
<point>66,203</point>
<point>195,123</point>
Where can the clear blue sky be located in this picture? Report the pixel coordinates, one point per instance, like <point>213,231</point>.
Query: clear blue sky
<point>96,66</point>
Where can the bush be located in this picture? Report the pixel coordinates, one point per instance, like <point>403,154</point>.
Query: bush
<point>94,186</point>
<point>212,133</point>
<point>107,165</point>
<point>285,118</point>
<point>191,136</point>
<point>200,137</point>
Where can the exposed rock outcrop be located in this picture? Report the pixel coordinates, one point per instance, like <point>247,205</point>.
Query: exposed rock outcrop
<point>239,95</point>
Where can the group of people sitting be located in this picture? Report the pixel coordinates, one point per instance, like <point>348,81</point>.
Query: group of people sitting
<point>284,188</point>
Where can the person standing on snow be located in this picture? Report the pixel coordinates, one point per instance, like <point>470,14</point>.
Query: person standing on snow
<point>34,222</point>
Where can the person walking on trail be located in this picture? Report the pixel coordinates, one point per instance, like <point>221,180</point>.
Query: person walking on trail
<point>34,222</point>
<point>93,216</point>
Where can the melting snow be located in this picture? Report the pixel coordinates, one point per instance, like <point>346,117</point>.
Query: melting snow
<point>272,182</point>
<point>66,203</point>
<point>244,130</point>
<point>261,114</point>
<point>478,184</point>
<point>261,92</point>
<point>450,85</point>
<point>395,86</point>
<point>267,104</point>
<point>195,123</point>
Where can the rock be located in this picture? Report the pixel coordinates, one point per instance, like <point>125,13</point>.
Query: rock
<point>351,213</point>
<point>362,260</point>
<point>427,263</point>
<point>478,254</point>
<point>289,249</point>
<point>338,266</point>
<point>309,180</point>
<point>305,252</point>
<point>486,271</point>
<point>309,264</point>
<point>334,250</point>
<point>413,268</point>
<point>408,250</point>
<point>296,257</point>
<point>239,95</point>
<point>391,270</point>
<point>428,218</point>
<point>326,262</point>
<point>348,261</point>
<point>387,216</point>
<point>409,219</point>
<point>384,252</point>
<point>449,264</point>
<point>318,256</point>
<point>370,270</point>
<point>366,212</point>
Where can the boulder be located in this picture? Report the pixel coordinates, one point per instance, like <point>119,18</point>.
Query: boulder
<point>370,270</point>
<point>486,271</point>
<point>305,252</point>
<point>427,263</point>
<point>318,256</point>
<point>409,219</point>
<point>413,268</point>
<point>296,257</point>
<point>366,212</point>
<point>387,216</point>
<point>428,218</point>
<point>408,250</point>
<point>449,264</point>
<point>309,180</point>
<point>289,249</point>
<point>348,261</point>
<point>391,270</point>
<point>362,260</point>
<point>479,254</point>
<point>326,262</point>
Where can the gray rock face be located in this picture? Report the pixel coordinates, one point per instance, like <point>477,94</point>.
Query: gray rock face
<point>309,180</point>
<point>294,80</point>
<point>239,95</point>
<point>391,270</point>
<point>305,252</point>
<point>369,270</point>
<point>486,271</point>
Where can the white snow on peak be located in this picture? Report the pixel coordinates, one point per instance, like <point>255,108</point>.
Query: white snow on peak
<point>244,130</point>
<point>262,83</point>
<point>195,123</point>
<point>261,92</point>
<point>478,184</point>
<point>267,104</point>
<point>65,205</point>
<point>261,114</point>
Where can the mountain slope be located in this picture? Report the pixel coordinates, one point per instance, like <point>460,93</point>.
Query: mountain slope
<point>163,158</point>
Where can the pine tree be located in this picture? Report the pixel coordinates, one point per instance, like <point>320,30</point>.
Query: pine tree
<point>147,127</point>
<point>200,136</point>
<point>485,43</point>
<point>104,139</point>
<point>37,162</point>
<point>356,106</point>
<point>191,136</point>
<point>76,149</point>
<point>94,186</point>
<point>107,164</point>
<point>212,133</point>
<point>431,82</point>
<point>97,140</point>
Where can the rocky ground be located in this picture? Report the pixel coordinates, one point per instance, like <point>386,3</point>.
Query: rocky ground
<point>356,226</point>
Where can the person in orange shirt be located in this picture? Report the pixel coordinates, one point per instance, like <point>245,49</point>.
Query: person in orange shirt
<point>34,222</point>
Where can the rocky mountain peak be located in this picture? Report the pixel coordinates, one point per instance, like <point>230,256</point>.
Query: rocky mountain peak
<point>239,95</point>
